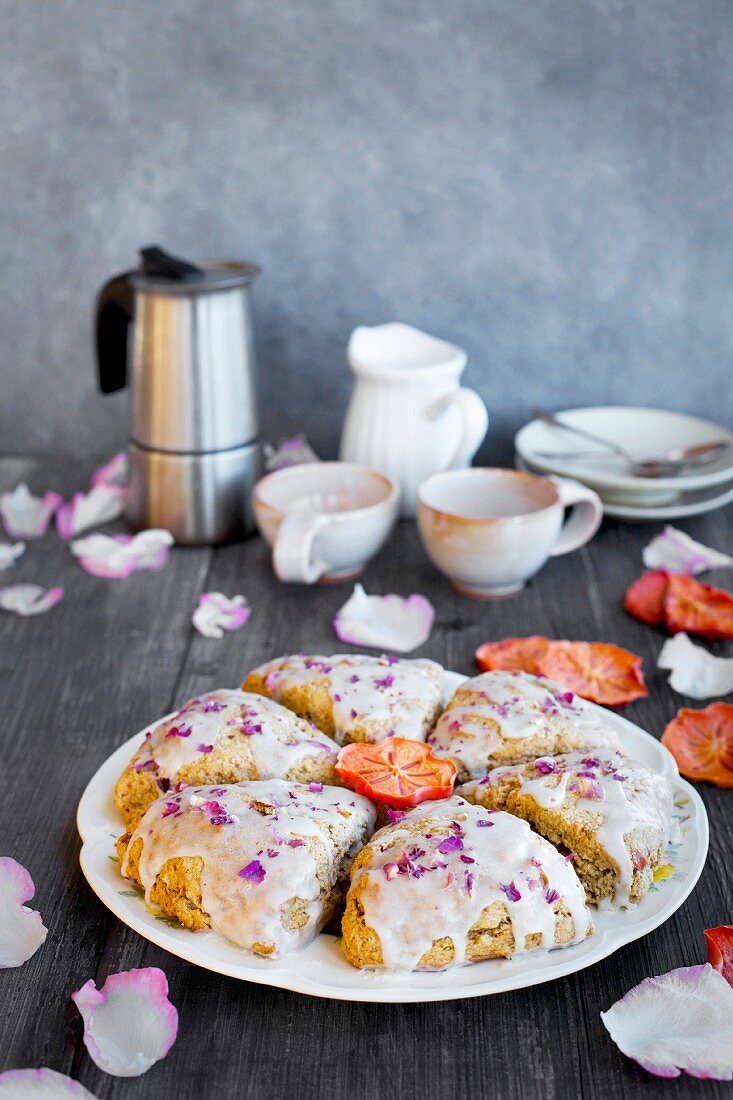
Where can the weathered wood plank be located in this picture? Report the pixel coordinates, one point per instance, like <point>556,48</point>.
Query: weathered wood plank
<point>73,683</point>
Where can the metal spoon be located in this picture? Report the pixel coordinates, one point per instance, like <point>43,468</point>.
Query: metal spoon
<point>673,462</point>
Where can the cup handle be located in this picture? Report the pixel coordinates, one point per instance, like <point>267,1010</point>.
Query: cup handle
<point>585,518</point>
<point>475,422</point>
<point>292,553</point>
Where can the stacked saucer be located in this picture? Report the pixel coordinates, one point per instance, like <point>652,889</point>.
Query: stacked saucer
<point>644,433</point>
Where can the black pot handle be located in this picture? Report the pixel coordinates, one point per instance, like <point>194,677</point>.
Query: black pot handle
<point>114,314</point>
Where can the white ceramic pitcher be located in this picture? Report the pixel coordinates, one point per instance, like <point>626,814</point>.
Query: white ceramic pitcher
<point>408,416</point>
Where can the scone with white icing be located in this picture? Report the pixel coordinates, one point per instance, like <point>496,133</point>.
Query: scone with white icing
<point>261,863</point>
<point>353,697</point>
<point>612,813</point>
<point>451,883</point>
<point>511,717</point>
<point>223,737</point>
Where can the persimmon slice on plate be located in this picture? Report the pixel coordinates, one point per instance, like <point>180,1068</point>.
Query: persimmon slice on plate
<point>697,608</point>
<point>701,741</point>
<point>596,671</point>
<point>645,598</point>
<point>720,949</point>
<point>512,654</point>
<point>398,772</point>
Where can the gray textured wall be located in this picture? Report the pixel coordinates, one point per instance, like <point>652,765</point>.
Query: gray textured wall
<point>546,182</point>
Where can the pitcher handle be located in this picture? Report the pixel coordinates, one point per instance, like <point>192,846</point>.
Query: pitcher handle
<point>292,552</point>
<point>475,420</point>
<point>585,517</point>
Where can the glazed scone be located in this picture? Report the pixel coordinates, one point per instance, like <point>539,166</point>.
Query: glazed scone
<point>512,717</point>
<point>612,813</point>
<point>261,863</point>
<point>451,883</point>
<point>223,737</point>
<point>353,697</point>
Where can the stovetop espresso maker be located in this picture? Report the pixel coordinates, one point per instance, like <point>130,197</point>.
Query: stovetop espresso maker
<point>183,332</point>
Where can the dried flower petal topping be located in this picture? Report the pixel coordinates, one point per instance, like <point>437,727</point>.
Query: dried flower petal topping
<point>678,553</point>
<point>694,671</point>
<point>121,555</point>
<point>29,599</point>
<point>41,1084</point>
<point>678,1022</point>
<point>513,654</point>
<point>289,452</point>
<point>129,1024</point>
<point>720,950</point>
<point>10,552</point>
<point>644,599</point>
<point>254,871</point>
<point>217,613</point>
<point>602,673</point>
<point>21,929</point>
<point>697,608</point>
<point>385,622</point>
<point>26,516</point>
<point>701,741</point>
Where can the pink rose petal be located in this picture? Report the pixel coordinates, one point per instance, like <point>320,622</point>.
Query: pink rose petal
<point>384,622</point>
<point>676,552</point>
<point>26,516</point>
<point>101,504</point>
<point>129,1024</point>
<point>695,671</point>
<point>41,1084</point>
<point>678,1022</point>
<point>21,929</point>
<point>120,555</point>
<point>115,472</point>
<point>29,599</point>
<point>10,552</point>
<point>217,613</point>
<point>289,452</point>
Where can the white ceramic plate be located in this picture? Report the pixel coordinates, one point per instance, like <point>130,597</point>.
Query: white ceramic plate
<point>642,432</point>
<point>321,969</point>
<point>695,503</point>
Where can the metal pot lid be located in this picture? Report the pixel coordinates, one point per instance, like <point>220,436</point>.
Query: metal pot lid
<point>162,272</point>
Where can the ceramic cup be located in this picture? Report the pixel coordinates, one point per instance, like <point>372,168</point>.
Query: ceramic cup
<point>489,530</point>
<point>324,520</point>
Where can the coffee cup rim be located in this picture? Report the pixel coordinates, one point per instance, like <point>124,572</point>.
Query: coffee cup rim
<point>474,473</point>
<point>391,496</point>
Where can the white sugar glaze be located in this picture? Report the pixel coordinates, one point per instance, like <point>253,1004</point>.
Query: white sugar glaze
<point>402,694</point>
<point>277,738</point>
<point>522,706</point>
<point>625,794</point>
<point>416,893</point>
<point>309,827</point>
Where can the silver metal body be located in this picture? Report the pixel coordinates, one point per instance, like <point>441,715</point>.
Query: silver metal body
<point>200,499</point>
<point>195,454</point>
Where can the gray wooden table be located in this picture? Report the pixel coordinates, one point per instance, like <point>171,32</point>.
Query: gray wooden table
<point>114,655</point>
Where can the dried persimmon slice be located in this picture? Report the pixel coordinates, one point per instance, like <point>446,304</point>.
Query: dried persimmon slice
<point>720,949</point>
<point>697,608</point>
<point>597,671</point>
<point>645,598</point>
<point>398,772</point>
<point>512,654</point>
<point>701,741</point>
